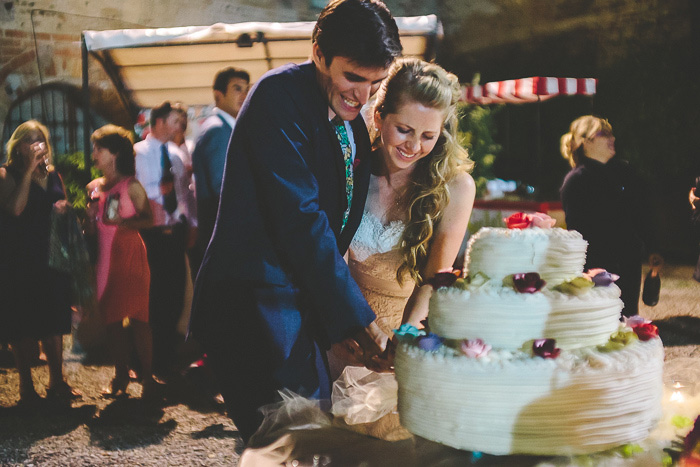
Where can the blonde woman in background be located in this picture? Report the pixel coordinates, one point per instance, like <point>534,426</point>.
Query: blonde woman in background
<point>419,200</point>
<point>607,202</point>
<point>36,300</point>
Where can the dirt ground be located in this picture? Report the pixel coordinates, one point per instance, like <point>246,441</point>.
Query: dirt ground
<point>188,429</point>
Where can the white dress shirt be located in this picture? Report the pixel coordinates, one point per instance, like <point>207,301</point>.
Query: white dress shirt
<point>230,119</point>
<point>149,172</point>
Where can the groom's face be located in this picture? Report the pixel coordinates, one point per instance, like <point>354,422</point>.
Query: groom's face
<point>347,85</point>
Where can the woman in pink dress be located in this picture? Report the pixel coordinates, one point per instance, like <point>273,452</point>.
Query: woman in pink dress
<point>118,209</point>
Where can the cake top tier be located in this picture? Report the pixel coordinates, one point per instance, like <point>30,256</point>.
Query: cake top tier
<point>556,254</point>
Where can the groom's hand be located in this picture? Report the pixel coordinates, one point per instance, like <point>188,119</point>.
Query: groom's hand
<point>349,351</point>
<point>384,362</point>
<point>377,352</point>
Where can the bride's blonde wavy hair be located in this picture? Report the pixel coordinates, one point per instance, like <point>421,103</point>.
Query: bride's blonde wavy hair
<point>413,80</point>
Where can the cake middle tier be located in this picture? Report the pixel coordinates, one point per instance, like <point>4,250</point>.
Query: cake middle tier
<point>506,319</point>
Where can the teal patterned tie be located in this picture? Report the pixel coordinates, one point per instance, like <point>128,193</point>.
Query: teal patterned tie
<point>342,134</point>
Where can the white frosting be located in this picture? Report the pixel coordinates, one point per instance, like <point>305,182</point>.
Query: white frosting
<point>557,254</point>
<point>507,319</point>
<point>509,403</point>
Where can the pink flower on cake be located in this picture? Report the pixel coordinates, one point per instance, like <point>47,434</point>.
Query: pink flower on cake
<point>521,220</point>
<point>443,279</point>
<point>545,348</point>
<point>646,331</point>
<point>601,277</point>
<point>475,348</point>
<point>529,282</point>
<point>542,220</point>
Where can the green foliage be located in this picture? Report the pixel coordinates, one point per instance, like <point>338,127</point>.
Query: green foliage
<point>477,128</point>
<point>75,177</point>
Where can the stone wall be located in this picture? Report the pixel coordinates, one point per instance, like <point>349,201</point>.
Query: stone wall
<point>40,40</point>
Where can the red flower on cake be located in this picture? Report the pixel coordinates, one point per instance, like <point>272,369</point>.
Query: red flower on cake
<point>692,438</point>
<point>646,331</point>
<point>545,348</point>
<point>519,220</point>
<point>443,279</point>
<point>529,282</point>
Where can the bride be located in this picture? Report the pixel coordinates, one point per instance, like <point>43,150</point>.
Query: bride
<point>418,206</point>
<point>419,201</point>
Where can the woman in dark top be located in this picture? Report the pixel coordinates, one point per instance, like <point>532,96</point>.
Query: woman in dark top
<point>607,202</point>
<point>36,302</point>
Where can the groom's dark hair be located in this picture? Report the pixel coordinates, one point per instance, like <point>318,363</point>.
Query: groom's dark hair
<point>361,30</point>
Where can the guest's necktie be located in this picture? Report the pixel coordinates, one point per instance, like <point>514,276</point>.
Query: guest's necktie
<point>342,134</point>
<point>167,181</point>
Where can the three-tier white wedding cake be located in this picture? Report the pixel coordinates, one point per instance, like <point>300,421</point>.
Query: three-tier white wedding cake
<point>527,354</point>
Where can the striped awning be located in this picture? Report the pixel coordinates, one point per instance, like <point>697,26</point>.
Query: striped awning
<point>525,90</point>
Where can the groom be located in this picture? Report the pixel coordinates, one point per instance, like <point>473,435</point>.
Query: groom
<point>274,292</point>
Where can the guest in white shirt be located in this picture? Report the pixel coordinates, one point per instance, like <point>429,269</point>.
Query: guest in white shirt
<point>160,170</point>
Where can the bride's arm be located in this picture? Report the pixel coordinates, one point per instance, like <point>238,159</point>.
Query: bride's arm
<point>444,246</point>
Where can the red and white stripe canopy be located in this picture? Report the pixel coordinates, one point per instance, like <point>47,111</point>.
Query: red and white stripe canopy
<point>524,90</point>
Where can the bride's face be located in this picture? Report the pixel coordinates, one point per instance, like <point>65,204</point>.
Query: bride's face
<point>408,135</point>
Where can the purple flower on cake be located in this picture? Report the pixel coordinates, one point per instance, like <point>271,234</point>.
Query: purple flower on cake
<point>635,320</point>
<point>408,330</point>
<point>545,348</point>
<point>475,348</point>
<point>443,279</point>
<point>529,282</point>
<point>429,342</point>
<point>601,277</point>
<point>521,220</point>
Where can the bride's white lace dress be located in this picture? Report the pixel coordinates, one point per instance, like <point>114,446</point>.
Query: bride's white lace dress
<point>373,259</point>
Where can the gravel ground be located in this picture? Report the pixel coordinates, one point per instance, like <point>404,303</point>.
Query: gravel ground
<point>188,429</point>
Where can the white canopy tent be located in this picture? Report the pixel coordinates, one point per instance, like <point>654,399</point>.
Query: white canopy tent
<point>149,66</point>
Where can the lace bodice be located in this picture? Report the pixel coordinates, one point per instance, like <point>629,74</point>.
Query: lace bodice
<point>374,260</point>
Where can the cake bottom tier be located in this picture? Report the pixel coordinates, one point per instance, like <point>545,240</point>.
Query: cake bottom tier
<point>585,401</point>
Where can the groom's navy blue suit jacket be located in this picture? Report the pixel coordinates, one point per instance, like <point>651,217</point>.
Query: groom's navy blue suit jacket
<point>273,283</point>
